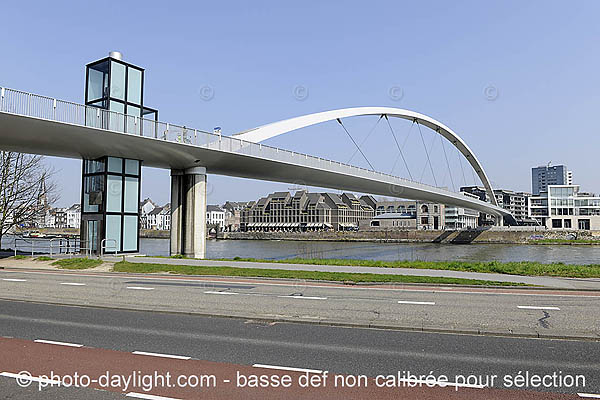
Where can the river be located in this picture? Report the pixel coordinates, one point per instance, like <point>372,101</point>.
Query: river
<point>282,249</point>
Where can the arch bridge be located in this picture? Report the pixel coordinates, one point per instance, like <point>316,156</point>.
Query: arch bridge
<point>37,124</point>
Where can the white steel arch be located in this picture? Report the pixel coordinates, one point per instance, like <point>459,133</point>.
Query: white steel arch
<point>268,131</point>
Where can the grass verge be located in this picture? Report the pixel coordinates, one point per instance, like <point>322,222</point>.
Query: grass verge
<point>21,257</point>
<point>126,266</point>
<point>77,263</point>
<point>526,268</point>
<point>44,258</point>
<point>564,241</point>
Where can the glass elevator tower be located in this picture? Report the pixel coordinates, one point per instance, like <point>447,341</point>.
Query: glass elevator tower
<point>110,192</point>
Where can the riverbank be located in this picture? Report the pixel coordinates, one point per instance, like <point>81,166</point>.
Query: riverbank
<point>332,276</point>
<point>495,235</point>
<point>524,268</point>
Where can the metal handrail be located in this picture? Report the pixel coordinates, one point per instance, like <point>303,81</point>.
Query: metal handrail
<point>104,247</point>
<point>40,245</point>
<point>37,106</point>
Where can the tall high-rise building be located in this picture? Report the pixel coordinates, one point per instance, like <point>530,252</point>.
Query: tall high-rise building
<point>543,176</point>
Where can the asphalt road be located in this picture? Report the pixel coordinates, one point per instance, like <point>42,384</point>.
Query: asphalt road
<point>224,346</point>
<point>520,312</point>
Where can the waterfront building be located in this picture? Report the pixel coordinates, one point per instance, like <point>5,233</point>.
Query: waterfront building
<point>153,217</point>
<point>406,215</point>
<point>546,175</point>
<point>233,212</point>
<point>215,215</point>
<point>566,207</point>
<point>458,218</point>
<point>73,215</point>
<point>164,218</point>
<point>304,211</point>
<point>515,202</point>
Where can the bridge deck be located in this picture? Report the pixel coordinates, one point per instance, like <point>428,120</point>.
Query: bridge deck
<point>40,125</point>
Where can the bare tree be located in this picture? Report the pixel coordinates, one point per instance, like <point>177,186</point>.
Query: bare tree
<point>26,189</point>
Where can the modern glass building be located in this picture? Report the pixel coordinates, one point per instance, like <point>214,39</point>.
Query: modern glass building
<point>114,85</point>
<point>566,207</point>
<point>546,175</point>
<point>110,184</point>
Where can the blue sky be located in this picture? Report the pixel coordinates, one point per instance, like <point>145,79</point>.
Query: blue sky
<point>541,58</point>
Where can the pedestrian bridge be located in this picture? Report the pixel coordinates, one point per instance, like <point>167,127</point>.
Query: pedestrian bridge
<point>37,124</point>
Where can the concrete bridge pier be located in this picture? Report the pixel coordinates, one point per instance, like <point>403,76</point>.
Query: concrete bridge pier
<point>188,212</point>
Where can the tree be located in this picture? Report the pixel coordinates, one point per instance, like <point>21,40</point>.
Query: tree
<point>26,189</point>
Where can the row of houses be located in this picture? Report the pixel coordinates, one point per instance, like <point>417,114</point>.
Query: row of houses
<point>157,217</point>
<point>59,218</point>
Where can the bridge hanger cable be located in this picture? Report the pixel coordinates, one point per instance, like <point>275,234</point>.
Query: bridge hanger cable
<point>427,153</point>
<point>433,142</point>
<point>461,167</point>
<point>367,137</point>
<point>398,145</point>
<point>447,162</point>
<point>353,141</point>
<point>403,147</point>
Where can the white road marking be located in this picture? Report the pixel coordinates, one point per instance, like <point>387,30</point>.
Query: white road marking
<point>432,290</point>
<point>28,378</point>
<point>58,343</point>
<point>424,303</point>
<point>217,292</point>
<point>144,353</point>
<point>305,297</point>
<point>148,396</point>
<point>539,308</point>
<point>589,395</point>
<point>14,280</point>
<point>139,288</point>
<point>266,366</point>
<point>72,284</point>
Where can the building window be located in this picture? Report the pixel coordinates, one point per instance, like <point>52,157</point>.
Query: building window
<point>567,223</point>
<point>584,224</point>
<point>557,223</point>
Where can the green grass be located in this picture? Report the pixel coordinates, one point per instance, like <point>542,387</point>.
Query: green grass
<point>126,266</point>
<point>77,263</point>
<point>564,241</point>
<point>44,258</point>
<point>526,268</point>
<point>21,257</point>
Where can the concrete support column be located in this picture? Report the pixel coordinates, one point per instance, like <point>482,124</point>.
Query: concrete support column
<point>499,220</point>
<point>188,212</point>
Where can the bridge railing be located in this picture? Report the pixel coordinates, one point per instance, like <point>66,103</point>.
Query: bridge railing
<point>33,105</point>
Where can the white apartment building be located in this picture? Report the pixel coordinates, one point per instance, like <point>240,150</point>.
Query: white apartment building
<point>566,207</point>
<point>215,215</point>
<point>73,215</point>
<point>457,218</point>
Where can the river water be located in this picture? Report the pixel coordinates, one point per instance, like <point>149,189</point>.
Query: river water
<point>282,249</point>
